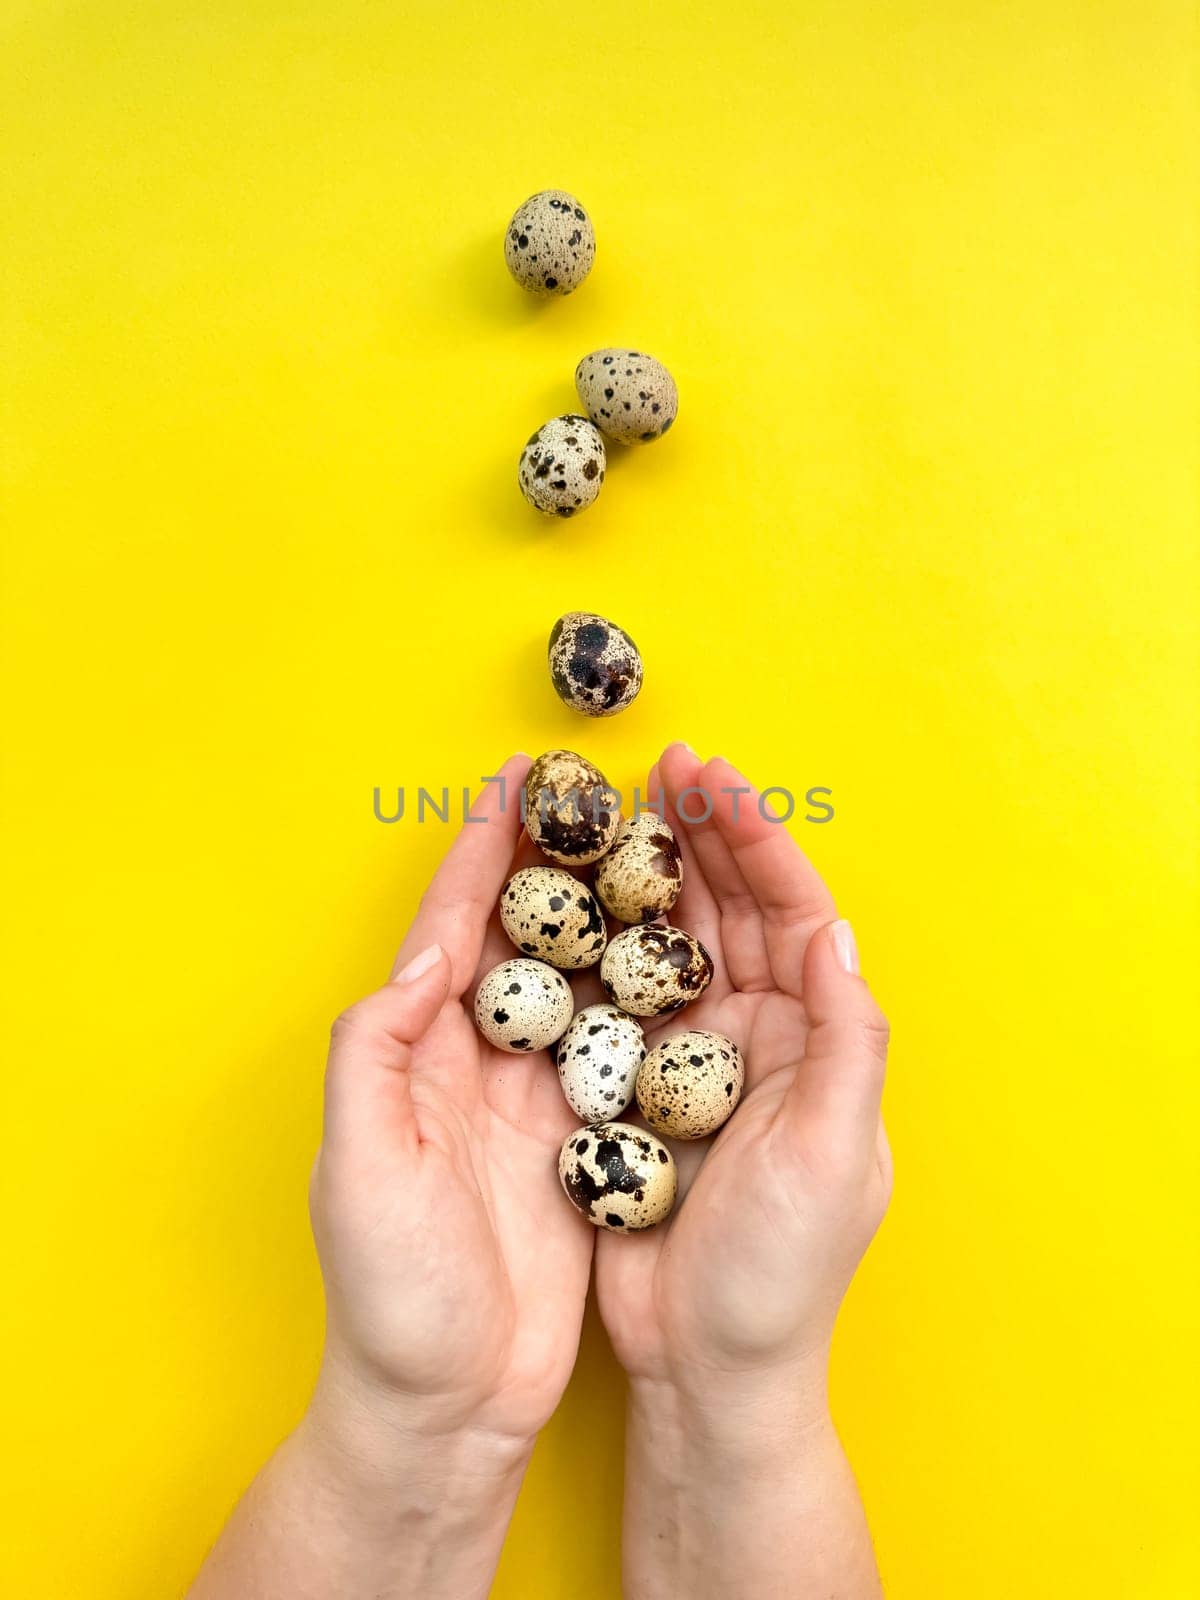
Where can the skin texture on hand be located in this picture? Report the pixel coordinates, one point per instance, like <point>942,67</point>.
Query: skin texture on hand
<point>722,1316</point>
<point>455,1274</point>
<point>782,1203</point>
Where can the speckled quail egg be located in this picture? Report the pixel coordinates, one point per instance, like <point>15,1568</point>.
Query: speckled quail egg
<point>550,244</point>
<point>629,395</point>
<point>598,1060</point>
<point>523,1005</point>
<point>689,1084</point>
<point>619,1176</point>
<point>570,808</point>
<point>650,971</point>
<point>594,665</point>
<point>562,466</point>
<point>641,876</point>
<point>550,915</point>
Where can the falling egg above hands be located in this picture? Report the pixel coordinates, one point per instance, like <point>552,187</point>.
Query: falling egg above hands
<point>595,666</point>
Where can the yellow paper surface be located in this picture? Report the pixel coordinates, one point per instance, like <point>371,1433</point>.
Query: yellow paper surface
<point>924,534</point>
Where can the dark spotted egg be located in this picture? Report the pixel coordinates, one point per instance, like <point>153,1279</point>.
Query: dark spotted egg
<point>641,876</point>
<point>598,1060</point>
<point>594,665</point>
<point>620,1177</point>
<point>650,971</point>
<point>690,1083</point>
<point>629,395</point>
<point>523,1005</point>
<point>550,244</point>
<point>550,915</point>
<point>562,466</point>
<point>570,808</point>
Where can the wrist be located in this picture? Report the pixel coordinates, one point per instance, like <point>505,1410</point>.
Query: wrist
<point>378,1427</point>
<point>750,1413</point>
<point>740,1486</point>
<point>410,1458</point>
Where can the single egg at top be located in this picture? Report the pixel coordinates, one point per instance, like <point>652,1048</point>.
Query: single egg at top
<point>550,243</point>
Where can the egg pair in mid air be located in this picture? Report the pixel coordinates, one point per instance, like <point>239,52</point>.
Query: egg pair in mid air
<point>628,396</point>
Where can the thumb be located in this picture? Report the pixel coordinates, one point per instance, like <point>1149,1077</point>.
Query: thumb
<point>840,1081</point>
<point>367,1090</point>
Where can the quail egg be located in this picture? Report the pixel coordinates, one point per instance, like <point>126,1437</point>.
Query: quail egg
<point>689,1084</point>
<point>570,808</point>
<point>641,876</point>
<point>598,1060</point>
<point>619,1176</point>
<point>594,665</point>
<point>551,915</point>
<point>550,244</point>
<point>629,395</point>
<point>650,971</point>
<point>523,1005</point>
<point>562,466</point>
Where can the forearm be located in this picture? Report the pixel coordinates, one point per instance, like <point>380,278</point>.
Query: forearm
<point>744,1494</point>
<point>379,1507</point>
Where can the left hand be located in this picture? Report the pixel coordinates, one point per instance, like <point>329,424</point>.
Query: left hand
<point>743,1281</point>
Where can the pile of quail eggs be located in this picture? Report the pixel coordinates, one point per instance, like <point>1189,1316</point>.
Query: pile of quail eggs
<point>626,396</point>
<point>620,1176</point>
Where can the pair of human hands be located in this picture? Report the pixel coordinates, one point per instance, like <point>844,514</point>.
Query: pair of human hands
<point>455,1269</point>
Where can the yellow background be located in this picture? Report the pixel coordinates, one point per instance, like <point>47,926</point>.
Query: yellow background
<point>925,273</point>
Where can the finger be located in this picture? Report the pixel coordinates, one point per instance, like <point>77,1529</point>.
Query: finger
<point>836,1092</point>
<point>695,910</point>
<point>455,908</point>
<point>788,890</point>
<point>691,792</point>
<point>367,1089</point>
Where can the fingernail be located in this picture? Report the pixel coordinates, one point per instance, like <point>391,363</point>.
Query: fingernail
<point>682,744</point>
<point>844,946</point>
<point>419,964</point>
